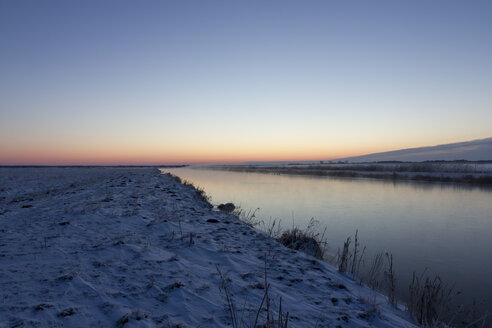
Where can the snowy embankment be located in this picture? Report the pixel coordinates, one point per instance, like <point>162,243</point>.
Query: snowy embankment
<point>130,247</point>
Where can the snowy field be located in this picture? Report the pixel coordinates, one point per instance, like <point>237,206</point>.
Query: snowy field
<point>130,247</point>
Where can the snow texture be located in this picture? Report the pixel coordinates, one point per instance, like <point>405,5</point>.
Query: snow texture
<point>131,247</point>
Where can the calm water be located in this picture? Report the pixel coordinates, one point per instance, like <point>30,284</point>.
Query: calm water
<point>445,228</point>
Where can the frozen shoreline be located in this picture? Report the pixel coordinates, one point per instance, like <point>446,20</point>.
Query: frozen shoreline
<point>131,247</point>
<point>480,175</point>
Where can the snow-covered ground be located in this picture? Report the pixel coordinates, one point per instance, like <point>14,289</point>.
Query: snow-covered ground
<point>131,247</point>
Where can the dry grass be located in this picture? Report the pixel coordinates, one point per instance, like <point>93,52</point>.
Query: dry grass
<point>430,300</point>
<point>373,277</point>
<point>351,261</point>
<point>307,241</point>
<point>344,257</point>
<point>247,216</point>
<point>200,193</point>
<point>269,319</point>
<point>390,280</point>
<point>301,241</point>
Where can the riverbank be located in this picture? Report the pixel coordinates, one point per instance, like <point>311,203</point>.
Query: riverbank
<point>130,247</point>
<point>474,173</point>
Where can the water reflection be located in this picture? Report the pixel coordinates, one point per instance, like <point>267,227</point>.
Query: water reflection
<point>445,228</point>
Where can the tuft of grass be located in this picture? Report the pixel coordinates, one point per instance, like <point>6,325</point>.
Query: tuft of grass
<point>344,256</point>
<point>270,320</point>
<point>390,279</point>
<point>231,305</point>
<point>307,241</point>
<point>301,241</point>
<point>227,207</point>
<point>175,177</point>
<point>273,228</point>
<point>373,276</point>
<point>358,256</point>
<point>249,217</point>
<point>201,195</point>
<point>351,261</point>
<point>430,300</point>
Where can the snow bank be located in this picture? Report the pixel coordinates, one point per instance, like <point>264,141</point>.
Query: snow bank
<point>120,247</point>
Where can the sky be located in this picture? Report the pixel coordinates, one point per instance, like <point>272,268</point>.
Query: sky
<point>169,82</point>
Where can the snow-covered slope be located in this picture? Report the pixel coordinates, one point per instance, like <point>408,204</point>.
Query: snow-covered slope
<point>119,247</point>
<point>475,150</point>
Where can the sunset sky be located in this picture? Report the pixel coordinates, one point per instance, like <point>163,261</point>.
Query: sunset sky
<point>156,82</point>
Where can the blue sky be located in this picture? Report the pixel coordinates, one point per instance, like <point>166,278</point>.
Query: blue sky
<point>199,81</point>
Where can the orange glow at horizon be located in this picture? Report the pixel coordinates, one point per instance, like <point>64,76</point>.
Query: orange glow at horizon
<point>134,155</point>
<point>153,149</point>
